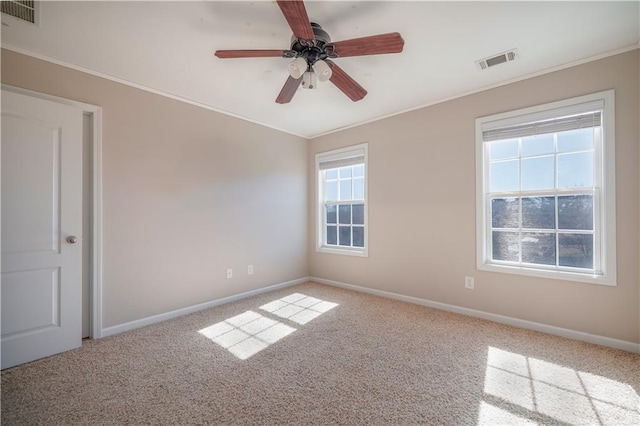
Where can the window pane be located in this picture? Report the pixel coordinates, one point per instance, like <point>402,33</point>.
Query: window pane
<point>537,173</point>
<point>539,248</point>
<point>504,176</point>
<point>503,149</point>
<point>576,250</point>
<point>505,212</point>
<point>538,213</point>
<point>332,191</point>
<point>505,246</point>
<point>345,190</point>
<point>331,214</point>
<point>358,188</point>
<point>575,140</point>
<point>575,212</point>
<point>575,170</point>
<point>345,214</point>
<point>337,185</point>
<point>537,145</point>
<point>345,235</point>
<point>358,236</point>
<point>358,214</point>
<point>332,235</point>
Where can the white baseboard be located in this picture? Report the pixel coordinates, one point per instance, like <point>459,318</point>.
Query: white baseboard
<point>544,328</point>
<point>132,325</point>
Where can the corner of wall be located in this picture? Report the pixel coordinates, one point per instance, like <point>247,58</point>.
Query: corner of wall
<point>310,196</point>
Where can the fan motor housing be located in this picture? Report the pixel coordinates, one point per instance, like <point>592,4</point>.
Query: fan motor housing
<point>312,50</point>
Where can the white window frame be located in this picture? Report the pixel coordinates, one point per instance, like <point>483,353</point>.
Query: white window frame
<point>604,176</point>
<point>337,155</point>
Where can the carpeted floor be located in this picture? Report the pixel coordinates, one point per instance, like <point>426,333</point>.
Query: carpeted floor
<point>314,354</point>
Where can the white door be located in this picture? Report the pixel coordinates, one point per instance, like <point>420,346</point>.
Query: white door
<point>41,286</point>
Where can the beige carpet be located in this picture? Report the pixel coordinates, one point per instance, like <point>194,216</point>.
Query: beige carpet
<point>313,354</point>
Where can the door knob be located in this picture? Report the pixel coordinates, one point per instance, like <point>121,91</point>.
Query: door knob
<point>72,239</point>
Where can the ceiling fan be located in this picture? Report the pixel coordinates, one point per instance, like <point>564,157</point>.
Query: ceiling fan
<point>312,49</point>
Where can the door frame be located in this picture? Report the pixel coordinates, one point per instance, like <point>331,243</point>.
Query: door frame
<point>95,237</point>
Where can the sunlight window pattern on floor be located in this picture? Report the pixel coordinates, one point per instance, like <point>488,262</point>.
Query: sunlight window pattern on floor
<point>514,382</point>
<point>247,334</point>
<point>298,308</point>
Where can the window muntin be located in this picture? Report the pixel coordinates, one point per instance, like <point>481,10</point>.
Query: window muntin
<point>342,201</point>
<point>545,190</point>
<point>553,177</point>
<point>344,206</point>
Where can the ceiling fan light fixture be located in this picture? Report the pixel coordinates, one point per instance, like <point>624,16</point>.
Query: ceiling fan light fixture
<point>297,67</point>
<point>309,80</point>
<point>310,51</point>
<point>322,70</point>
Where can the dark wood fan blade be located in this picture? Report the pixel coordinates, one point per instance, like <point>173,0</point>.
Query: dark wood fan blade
<point>288,90</point>
<point>296,15</point>
<point>349,86</point>
<point>371,45</point>
<point>229,54</point>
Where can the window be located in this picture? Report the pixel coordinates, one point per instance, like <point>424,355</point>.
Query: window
<point>342,206</point>
<point>545,185</point>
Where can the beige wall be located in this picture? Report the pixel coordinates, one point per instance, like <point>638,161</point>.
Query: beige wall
<point>422,207</point>
<point>187,193</point>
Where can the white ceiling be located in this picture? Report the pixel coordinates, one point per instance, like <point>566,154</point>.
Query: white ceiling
<point>168,47</point>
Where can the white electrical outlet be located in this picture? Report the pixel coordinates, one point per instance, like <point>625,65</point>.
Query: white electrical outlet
<point>250,270</point>
<point>468,283</point>
<point>229,273</point>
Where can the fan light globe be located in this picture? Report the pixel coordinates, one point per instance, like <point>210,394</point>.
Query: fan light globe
<point>297,67</point>
<point>309,80</point>
<point>322,70</point>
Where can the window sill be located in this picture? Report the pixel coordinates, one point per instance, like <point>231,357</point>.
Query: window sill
<point>556,275</point>
<point>344,251</point>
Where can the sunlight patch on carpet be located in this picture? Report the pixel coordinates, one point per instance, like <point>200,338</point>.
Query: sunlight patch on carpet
<point>525,386</point>
<point>298,308</point>
<point>492,415</point>
<point>247,334</point>
<point>250,332</point>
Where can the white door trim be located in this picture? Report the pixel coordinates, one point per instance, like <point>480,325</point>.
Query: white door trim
<point>95,266</point>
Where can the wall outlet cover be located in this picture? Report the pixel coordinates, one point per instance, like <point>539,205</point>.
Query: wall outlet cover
<point>469,283</point>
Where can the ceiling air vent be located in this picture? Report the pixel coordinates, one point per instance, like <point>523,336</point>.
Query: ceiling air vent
<point>23,10</point>
<point>498,59</point>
